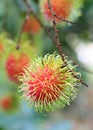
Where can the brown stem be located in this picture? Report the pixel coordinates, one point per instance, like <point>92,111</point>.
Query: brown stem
<point>64,20</point>
<point>54,39</point>
<point>42,26</point>
<point>58,44</point>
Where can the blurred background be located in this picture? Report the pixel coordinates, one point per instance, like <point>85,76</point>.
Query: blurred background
<point>77,42</point>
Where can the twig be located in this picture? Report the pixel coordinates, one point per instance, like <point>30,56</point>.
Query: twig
<point>64,20</point>
<point>58,44</point>
<point>42,26</point>
<point>54,39</point>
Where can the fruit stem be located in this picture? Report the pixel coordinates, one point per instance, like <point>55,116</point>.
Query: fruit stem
<point>54,39</point>
<point>58,44</point>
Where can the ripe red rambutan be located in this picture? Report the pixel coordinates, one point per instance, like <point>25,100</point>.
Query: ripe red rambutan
<point>31,26</point>
<point>15,64</point>
<point>61,8</point>
<point>6,103</point>
<point>46,85</point>
<point>9,102</point>
<point>66,9</point>
<point>18,58</point>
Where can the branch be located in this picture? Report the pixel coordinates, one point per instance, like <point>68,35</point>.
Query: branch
<point>54,39</point>
<point>46,31</point>
<point>64,20</point>
<point>58,44</point>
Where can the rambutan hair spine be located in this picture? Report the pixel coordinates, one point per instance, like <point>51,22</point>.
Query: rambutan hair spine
<point>46,85</point>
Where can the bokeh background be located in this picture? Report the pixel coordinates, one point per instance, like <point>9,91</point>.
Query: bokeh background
<point>77,42</point>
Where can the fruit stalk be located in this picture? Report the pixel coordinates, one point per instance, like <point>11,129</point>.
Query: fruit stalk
<point>54,39</point>
<point>58,44</point>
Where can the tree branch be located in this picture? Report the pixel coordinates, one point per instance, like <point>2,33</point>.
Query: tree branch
<point>64,20</point>
<point>58,44</point>
<point>54,39</point>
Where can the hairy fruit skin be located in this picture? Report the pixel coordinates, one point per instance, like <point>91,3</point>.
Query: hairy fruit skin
<point>17,59</point>
<point>15,64</point>
<point>46,85</point>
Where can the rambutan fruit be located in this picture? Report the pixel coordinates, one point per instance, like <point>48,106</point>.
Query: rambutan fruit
<point>47,85</point>
<point>18,59</point>
<point>15,64</point>
<point>31,26</point>
<point>66,9</point>
<point>6,103</point>
<point>9,103</point>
